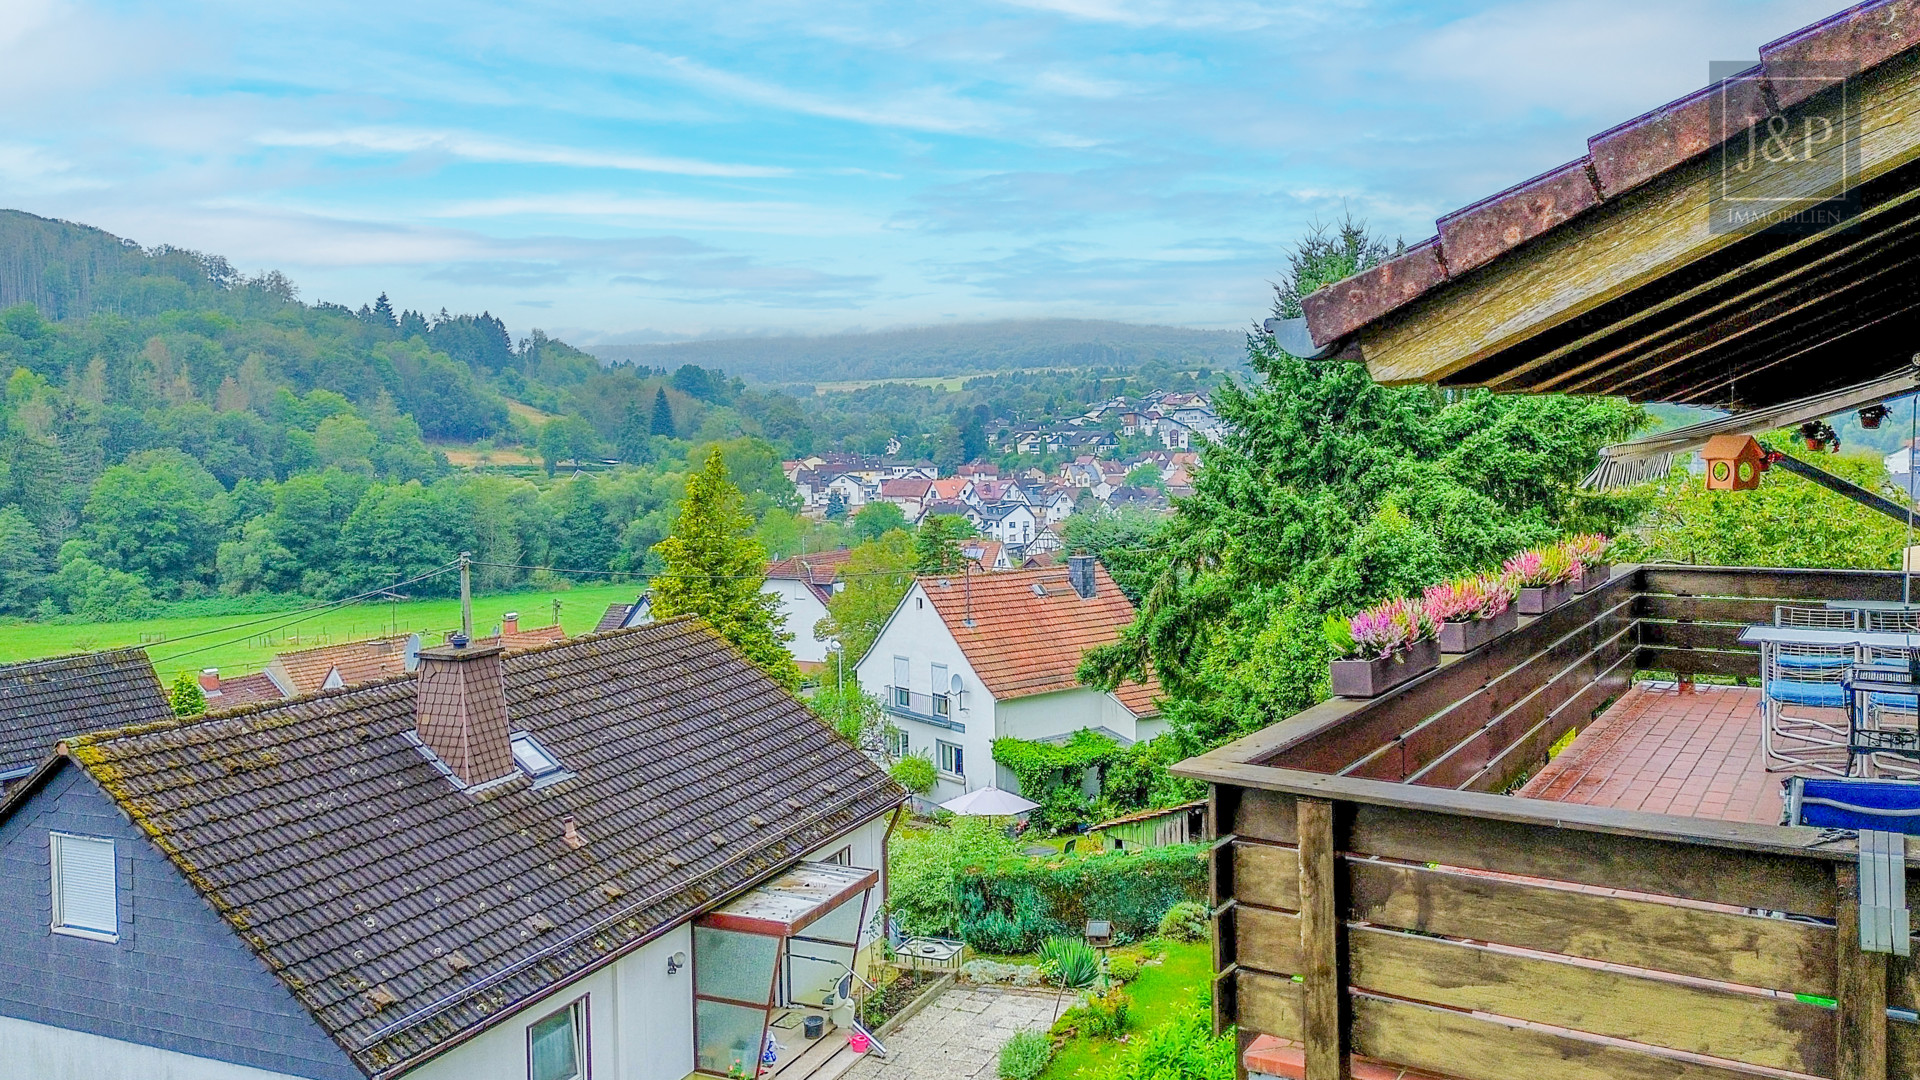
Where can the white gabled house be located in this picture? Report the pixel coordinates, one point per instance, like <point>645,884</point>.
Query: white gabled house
<point>968,658</point>
<point>804,584</point>
<point>1011,523</point>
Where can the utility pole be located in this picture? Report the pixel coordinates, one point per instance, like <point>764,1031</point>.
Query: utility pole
<point>466,596</point>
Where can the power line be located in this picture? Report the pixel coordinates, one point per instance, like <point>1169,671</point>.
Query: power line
<point>304,614</point>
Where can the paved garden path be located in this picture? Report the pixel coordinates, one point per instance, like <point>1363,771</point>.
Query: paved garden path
<point>958,1035</point>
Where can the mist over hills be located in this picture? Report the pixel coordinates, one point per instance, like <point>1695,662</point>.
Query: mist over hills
<point>966,349</point>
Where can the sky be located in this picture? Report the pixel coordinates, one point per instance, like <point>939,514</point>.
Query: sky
<point>654,171</point>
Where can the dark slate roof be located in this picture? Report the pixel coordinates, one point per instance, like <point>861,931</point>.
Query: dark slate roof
<point>614,619</point>
<point>401,911</point>
<point>44,701</point>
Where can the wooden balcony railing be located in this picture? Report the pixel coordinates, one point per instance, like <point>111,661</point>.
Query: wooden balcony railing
<point>1373,898</point>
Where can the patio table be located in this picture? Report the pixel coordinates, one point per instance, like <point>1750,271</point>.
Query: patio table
<point>1804,635</point>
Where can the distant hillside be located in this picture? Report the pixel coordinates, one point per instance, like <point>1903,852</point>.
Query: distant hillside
<point>71,271</point>
<point>970,348</point>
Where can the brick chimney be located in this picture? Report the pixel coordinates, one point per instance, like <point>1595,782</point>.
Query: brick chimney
<point>210,679</point>
<point>509,623</point>
<point>1080,574</point>
<point>460,710</point>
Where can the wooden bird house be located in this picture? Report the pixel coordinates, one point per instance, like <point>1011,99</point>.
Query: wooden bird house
<point>1734,462</point>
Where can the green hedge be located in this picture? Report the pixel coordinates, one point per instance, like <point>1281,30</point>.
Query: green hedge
<point>1013,905</point>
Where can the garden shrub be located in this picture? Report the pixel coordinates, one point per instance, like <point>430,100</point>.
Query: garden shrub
<point>1018,902</point>
<point>925,892</point>
<point>1069,962</point>
<point>1183,1048</point>
<point>1124,969</point>
<point>914,772</point>
<point>1025,1056</point>
<point>1097,1017</point>
<point>1186,921</point>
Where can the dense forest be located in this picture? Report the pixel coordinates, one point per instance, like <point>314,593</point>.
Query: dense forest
<point>173,430</point>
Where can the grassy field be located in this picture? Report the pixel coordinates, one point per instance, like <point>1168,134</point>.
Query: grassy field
<point>1160,989</point>
<point>236,653</point>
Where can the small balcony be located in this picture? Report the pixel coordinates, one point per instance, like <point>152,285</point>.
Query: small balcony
<point>1408,882</point>
<point>937,710</point>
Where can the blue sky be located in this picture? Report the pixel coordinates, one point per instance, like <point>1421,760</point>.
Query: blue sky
<point>649,171</point>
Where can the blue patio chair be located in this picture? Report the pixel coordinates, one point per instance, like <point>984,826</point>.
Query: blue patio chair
<point>1835,802</point>
<point>1799,677</point>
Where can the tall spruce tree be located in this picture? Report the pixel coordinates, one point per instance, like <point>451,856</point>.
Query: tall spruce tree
<point>662,414</point>
<point>714,570</point>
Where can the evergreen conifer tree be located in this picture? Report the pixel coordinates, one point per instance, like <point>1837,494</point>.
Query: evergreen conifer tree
<point>662,414</point>
<point>714,570</point>
<point>185,695</point>
<point>383,311</point>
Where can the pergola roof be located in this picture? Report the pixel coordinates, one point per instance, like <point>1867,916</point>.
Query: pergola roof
<point>1604,276</point>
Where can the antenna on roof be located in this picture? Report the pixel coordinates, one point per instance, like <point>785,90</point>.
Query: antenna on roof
<point>966,571</point>
<point>466,597</point>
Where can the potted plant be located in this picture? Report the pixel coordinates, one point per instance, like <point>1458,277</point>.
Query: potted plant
<point>1381,647</point>
<point>1590,551</point>
<point>1544,577</point>
<point>1471,611</point>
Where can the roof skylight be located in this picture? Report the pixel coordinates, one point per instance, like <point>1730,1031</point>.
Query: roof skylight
<point>534,759</point>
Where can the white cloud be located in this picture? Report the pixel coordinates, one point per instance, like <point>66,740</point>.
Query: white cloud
<point>791,218</point>
<point>375,140</point>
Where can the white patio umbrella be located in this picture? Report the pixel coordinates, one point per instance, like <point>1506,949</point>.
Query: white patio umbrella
<point>989,802</point>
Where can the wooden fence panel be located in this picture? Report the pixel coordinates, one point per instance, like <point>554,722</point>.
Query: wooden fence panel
<point>1267,875</point>
<point>1777,954</point>
<point>1772,1032</point>
<point>1453,1043</point>
<point>1713,874</point>
<point>1268,1004</point>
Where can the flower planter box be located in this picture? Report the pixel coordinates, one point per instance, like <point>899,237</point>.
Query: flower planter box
<point>1371,678</point>
<point>1594,577</point>
<point>1466,636</point>
<point>1545,598</point>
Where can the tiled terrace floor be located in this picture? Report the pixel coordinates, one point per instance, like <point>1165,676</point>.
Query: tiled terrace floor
<point>1666,751</point>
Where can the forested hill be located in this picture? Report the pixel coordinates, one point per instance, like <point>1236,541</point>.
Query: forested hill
<point>970,348</point>
<point>173,431</point>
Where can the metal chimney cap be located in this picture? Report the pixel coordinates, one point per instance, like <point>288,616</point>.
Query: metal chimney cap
<point>458,641</point>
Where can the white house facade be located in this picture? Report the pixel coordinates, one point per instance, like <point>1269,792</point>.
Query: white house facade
<point>966,659</point>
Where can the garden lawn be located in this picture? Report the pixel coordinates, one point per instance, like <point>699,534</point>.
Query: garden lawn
<point>1157,993</point>
<point>234,652</point>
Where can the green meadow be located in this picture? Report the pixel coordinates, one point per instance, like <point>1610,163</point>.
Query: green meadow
<point>238,644</point>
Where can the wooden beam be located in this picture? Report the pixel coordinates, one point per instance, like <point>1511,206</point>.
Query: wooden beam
<point>1861,986</point>
<point>1615,248</point>
<point>1322,930</point>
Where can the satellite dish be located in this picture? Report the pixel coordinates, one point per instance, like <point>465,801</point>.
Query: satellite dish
<point>954,684</point>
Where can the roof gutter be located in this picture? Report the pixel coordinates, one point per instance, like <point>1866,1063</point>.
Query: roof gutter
<point>1293,338</point>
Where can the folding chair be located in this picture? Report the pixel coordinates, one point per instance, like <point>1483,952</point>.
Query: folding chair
<point>1816,618</point>
<point>1852,802</point>
<point>1887,711</point>
<point>1804,677</point>
<point>1897,621</point>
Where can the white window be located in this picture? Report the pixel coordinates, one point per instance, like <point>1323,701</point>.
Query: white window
<point>557,1045</point>
<point>532,758</point>
<point>941,707</point>
<point>953,760</point>
<point>85,900</point>
<point>897,742</point>
<point>902,682</point>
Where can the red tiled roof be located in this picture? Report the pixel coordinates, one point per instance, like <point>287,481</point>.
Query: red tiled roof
<point>1617,160</point>
<point>904,489</point>
<point>357,662</point>
<point>819,568</point>
<point>949,489</point>
<point>243,690</point>
<point>1024,641</point>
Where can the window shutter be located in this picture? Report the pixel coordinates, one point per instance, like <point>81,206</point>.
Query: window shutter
<point>83,880</point>
<point>901,672</point>
<point>939,679</point>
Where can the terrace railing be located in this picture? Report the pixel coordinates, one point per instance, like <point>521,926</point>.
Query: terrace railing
<point>1373,898</point>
